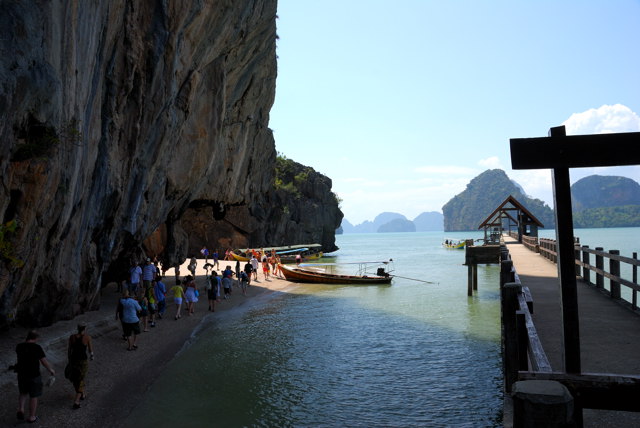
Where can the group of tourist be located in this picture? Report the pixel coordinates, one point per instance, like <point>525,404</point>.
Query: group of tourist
<point>144,297</point>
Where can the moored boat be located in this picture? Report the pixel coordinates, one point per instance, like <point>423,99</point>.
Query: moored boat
<point>320,273</point>
<point>287,253</point>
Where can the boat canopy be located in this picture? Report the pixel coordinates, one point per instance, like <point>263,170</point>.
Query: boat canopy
<point>285,248</point>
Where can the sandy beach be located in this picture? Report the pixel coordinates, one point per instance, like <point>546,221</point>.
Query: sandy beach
<point>117,379</point>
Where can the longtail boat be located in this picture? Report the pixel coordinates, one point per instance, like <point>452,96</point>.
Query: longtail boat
<point>321,273</point>
<point>453,244</point>
<point>287,253</point>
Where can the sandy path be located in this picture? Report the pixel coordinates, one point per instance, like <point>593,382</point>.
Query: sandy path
<point>117,379</point>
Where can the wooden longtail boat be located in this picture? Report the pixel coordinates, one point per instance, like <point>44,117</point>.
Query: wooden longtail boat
<point>287,253</point>
<point>453,244</point>
<point>315,273</point>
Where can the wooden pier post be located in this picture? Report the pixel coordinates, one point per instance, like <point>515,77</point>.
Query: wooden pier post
<point>585,260</point>
<point>510,340</point>
<point>470,280</point>
<point>506,274</point>
<point>614,269</point>
<point>475,277</point>
<point>634,278</point>
<point>600,266</point>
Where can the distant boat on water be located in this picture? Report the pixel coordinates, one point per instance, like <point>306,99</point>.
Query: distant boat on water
<point>321,273</point>
<point>453,244</point>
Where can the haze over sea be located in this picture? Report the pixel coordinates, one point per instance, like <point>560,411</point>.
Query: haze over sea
<point>409,354</point>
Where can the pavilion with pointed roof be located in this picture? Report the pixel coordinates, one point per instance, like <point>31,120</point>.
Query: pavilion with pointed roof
<point>509,213</point>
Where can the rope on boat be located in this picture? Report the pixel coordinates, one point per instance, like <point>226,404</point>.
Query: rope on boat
<point>413,279</point>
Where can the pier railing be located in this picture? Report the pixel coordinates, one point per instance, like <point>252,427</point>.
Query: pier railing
<point>524,358</point>
<point>522,348</point>
<point>615,262</point>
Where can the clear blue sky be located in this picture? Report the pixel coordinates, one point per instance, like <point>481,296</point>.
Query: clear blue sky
<point>401,103</point>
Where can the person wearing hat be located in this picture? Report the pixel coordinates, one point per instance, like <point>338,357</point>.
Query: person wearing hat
<point>78,364</point>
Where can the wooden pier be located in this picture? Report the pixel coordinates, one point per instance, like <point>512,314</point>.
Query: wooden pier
<point>608,385</point>
<point>475,255</point>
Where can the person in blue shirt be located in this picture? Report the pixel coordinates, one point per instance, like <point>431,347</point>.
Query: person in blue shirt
<point>135,274</point>
<point>160,291</point>
<point>129,309</point>
<point>215,259</point>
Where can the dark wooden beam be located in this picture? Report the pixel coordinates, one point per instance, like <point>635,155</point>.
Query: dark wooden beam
<point>566,264</point>
<point>575,151</point>
<point>596,390</point>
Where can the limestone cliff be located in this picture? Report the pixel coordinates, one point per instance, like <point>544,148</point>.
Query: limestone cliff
<point>119,120</point>
<point>300,209</point>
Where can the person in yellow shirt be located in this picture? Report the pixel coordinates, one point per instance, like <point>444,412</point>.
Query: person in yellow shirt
<point>178,296</point>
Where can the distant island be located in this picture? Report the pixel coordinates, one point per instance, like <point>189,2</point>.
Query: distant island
<point>395,222</point>
<point>598,201</point>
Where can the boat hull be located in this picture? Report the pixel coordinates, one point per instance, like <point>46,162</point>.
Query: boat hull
<point>458,246</point>
<point>238,257</point>
<point>295,274</point>
<point>292,259</point>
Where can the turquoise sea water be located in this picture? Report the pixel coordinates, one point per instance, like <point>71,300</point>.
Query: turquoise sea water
<point>407,355</point>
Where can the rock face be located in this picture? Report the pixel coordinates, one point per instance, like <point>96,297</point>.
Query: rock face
<point>599,191</point>
<point>301,210</point>
<point>483,194</point>
<point>125,123</point>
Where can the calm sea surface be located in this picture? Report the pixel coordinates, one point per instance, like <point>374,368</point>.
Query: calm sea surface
<point>412,354</point>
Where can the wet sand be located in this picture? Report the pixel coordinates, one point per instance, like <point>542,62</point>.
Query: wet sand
<point>117,379</point>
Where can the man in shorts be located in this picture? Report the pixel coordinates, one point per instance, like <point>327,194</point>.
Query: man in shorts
<point>30,356</point>
<point>130,320</point>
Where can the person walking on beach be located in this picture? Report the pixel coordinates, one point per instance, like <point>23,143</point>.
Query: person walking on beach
<point>30,356</point>
<point>205,253</point>
<point>278,262</point>
<point>227,280</point>
<point>148,275</point>
<point>152,304</point>
<point>248,269</point>
<point>178,295</point>
<point>215,257</point>
<point>135,274</point>
<point>78,363</point>
<point>213,290</point>
<point>144,313</point>
<point>191,294</point>
<point>160,291</point>
<point>254,265</point>
<point>130,320</point>
<point>244,281</point>
<point>272,262</point>
<point>265,267</point>
<point>192,266</point>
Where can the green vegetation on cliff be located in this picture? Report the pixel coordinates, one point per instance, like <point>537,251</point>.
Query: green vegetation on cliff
<point>482,196</point>
<point>622,216</point>
<point>598,191</point>
<point>289,177</point>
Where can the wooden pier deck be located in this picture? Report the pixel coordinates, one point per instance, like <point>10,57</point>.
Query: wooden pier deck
<point>609,332</point>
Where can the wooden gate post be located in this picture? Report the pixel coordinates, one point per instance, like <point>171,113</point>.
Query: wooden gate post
<point>600,266</point>
<point>585,260</point>
<point>614,269</point>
